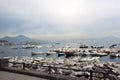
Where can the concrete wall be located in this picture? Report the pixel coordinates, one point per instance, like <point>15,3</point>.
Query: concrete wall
<point>4,62</point>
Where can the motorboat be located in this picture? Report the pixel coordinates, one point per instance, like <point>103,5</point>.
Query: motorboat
<point>50,53</point>
<point>60,54</point>
<point>90,59</point>
<point>37,53</point>
<point>98,54</point>
<point>114,55</point>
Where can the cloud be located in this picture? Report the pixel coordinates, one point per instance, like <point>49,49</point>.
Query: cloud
<point>57,18</point>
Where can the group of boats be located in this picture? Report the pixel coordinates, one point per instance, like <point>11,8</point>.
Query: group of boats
<point>80,52</point>
<point>78,58</point>
<point>41,53</point>
<point>69,51</point>
<point>100,54</point>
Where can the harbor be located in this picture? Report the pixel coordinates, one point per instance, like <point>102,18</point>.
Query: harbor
<point>89,69</point>
<point>59,40</point>
<point>61,51</point>
<point>72,61</point>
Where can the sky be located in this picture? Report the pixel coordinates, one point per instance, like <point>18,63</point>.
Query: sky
<point>60,19</point>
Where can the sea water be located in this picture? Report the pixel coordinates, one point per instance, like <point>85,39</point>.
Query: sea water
<point>17,50</point>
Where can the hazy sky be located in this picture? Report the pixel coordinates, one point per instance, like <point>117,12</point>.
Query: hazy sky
<point>56,19</point>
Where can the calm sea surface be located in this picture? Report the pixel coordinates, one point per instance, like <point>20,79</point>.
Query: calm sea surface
<point>6,51</point>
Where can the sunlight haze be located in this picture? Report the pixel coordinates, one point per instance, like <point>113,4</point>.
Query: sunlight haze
<point>56,19</point>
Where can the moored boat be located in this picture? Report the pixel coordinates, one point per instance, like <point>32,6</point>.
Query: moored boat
<point>61,54</point>
<point>69,54</point>
<point>28,46</point>
<point>114,55</point>
<point>37,53</point>
<point>90,59</point>
<point>98,54</point>
<point>50,53</point>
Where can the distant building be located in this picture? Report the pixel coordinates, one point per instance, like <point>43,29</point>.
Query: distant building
<point>4,42</point>
<point>31,43</point>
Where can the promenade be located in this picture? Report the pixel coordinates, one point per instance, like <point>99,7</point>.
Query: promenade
<point>14,76</point>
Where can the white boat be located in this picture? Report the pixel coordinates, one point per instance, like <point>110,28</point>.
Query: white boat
<point>98,54</point>
<point>114,55</point>
<point>28,46</point>
<point>37,53</point>
<point>76,58</point>
<point>85,53</point>
<point>90,59</point>
<point>50,53</point>
<point>39,46</point>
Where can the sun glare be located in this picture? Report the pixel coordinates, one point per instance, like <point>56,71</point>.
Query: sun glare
<point>69,9</point>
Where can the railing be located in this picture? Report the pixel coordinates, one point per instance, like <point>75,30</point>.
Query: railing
<point>92,73</point>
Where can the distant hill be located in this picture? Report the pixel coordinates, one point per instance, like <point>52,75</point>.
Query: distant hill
<point>21,39</point>
<point>105,41</point>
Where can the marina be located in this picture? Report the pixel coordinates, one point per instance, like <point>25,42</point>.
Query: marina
<point>63,57</point>
<point>60,39</point>
<point>59,51</point>
<point>72,67</point>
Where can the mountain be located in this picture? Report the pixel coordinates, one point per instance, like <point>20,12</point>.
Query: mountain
<point>21,39</point>
<point>110,40</point>
<point>105,41</point>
